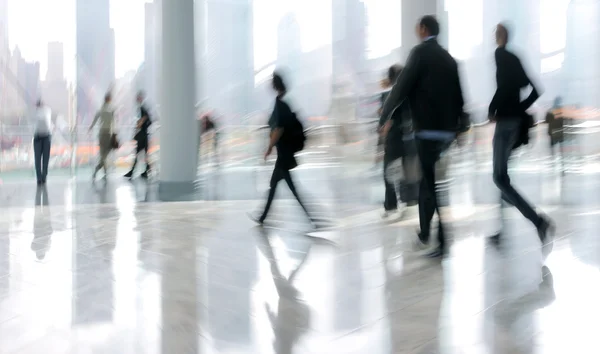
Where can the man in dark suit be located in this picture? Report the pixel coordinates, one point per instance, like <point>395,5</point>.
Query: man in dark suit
<point>431,84</point>
<point>512,125</point>
<point>141,136</point>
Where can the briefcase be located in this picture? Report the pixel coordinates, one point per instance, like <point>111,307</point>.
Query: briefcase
<point>114,141</point>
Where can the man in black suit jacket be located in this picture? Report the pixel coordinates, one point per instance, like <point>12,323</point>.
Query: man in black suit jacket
<point>512,125</point>
<point>431,84</point>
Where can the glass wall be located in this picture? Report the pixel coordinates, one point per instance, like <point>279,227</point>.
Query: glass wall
<point>333,53</point>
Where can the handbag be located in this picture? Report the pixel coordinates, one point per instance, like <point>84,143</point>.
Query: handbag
<point>526,123</point>
<point>114,141</point>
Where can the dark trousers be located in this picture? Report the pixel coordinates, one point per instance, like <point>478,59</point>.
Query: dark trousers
<point>430,152</point>
<point>41,152</point>
<point>391,197</point>
<point>407,188</point>
<point>506,134</point>
<point>142,145</point>
<point>281,173</point>
<point>556,144</point>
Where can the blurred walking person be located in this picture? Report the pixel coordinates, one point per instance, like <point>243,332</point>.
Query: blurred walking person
<point>287,135</point>
<point>141,137</point>
<point>555,121</point>
<point>400,161</point>
<point>512,129</point>
<point>106,117</point>
<point>209,126</point>
<point>42,138</point>
<point>431,84</point>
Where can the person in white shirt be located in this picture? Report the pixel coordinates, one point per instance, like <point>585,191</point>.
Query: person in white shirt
<point>41,141</point>
<point>106,117</point>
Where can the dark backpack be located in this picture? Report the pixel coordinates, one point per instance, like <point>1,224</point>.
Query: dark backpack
<point>296,137</point>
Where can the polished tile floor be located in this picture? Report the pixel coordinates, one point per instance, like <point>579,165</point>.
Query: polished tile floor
<point>119,268</point>
<point>120,275</point>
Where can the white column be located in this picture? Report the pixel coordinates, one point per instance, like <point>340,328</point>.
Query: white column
<point>179,132</point>
<point>412,11</point>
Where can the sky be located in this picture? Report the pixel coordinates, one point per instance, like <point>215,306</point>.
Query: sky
<point>34,23</point>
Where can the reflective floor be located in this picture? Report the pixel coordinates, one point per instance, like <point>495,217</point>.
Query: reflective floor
<point>108,268</point>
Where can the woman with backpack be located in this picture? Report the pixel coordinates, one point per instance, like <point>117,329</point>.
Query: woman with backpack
<point>287,135</point>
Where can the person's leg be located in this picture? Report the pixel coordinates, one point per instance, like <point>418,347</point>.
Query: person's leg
<point>147,159</point>
<point>504,138</point>
<point>37,158</point>
<point>135,159</point>
<point>46,144</point>
<point>409,188</point>
<point>275,178</point>
<point>104,151</point>
<point>391,200</point>
<point>102,163</point>
<point>561,156</point>
<point>426,189</point>
<point>288,179</point>
<point>439,148</point>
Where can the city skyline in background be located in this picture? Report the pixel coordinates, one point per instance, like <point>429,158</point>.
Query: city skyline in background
<point>32,24</point>
<point>348,44</point>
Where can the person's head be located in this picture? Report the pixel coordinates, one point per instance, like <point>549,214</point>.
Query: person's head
<point>558,102</point>
<point>278,84</point>
<point>428,26</point>
<point>107,97</point>
<point>501,35</point>
<point>393,73</point>
<point>141,96</point>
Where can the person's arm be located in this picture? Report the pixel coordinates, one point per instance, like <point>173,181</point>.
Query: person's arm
<point>143,118</point>
<point>464,121</point>
<point>404,84</point>
<point>499,94</point>
<point>382,119</point>
<point>96,117</point>
<point>533,96</point>
<point>277,130</point>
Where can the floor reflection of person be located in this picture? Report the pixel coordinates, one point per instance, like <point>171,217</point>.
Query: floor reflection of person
<point>517,315</point>
<point>400,294</point>
<point>292,318</point>
<point>106,118</point>
<point>42,224</point>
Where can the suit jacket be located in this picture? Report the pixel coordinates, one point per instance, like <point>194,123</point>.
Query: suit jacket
<point>506,103</point>
<point>431,84</point>
<point>510,79</point>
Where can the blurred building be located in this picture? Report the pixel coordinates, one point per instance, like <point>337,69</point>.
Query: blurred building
<point>95,55</point>
<point>349,42</point>
<point>148,80</point>
<point>4,56</point>
<point>228,65</point>
<point>4,51</point>
<point>56,59</point>
<point>581,69</point>
<point>22,85</point>
<point>54,89</point>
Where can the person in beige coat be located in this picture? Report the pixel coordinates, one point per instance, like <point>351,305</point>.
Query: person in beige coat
<point>106,119</point>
